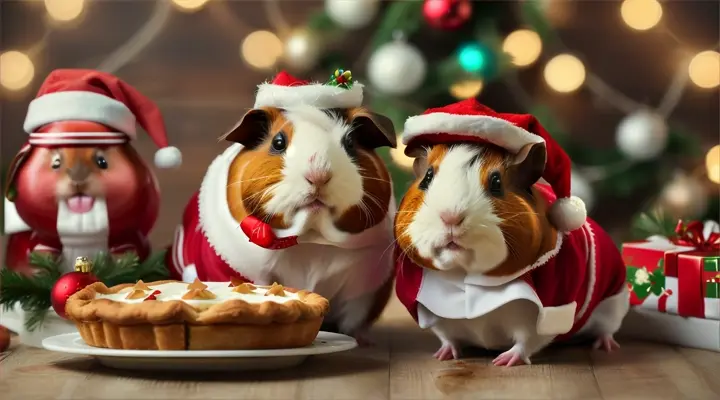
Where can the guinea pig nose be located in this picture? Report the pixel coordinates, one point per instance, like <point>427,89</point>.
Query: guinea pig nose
<point>318,177</point>
<point>451,218</point>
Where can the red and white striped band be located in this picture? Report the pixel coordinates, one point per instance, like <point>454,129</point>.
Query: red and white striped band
<point>77,138</point>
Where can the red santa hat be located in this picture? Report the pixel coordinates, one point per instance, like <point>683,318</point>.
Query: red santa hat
<point>470,121</point>
<point>87,95</point>
<point>286,90</point>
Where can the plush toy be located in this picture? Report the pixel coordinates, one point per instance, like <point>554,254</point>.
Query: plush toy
<point>486,255</point>
<point>78,187</point>
<point>300,198</point>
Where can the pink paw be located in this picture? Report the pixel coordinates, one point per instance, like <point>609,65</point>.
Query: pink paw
<point>607,343</point>
<point>447,352</point>
<point>514,356</point>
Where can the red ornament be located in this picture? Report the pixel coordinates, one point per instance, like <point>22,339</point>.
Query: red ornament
<point>447,14</point>
<point>4,338</point>
<point>71,283</point>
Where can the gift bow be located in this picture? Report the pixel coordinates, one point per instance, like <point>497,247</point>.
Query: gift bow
<point>693,234</point>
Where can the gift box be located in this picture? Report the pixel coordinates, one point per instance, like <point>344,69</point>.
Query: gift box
<point>679,275</point>
<point>645,324</point>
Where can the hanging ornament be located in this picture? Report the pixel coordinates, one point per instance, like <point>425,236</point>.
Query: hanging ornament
<point>447,14</point>
<point>71,283</point>
<point>642,135</point>
<point>684,197</point>
<point>301,50</point>
<point>581,188</point>
<point>397,67</point>
<point>475,58</point>
<point>352,14</point>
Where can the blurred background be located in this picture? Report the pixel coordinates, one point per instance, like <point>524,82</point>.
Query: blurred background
<point>629,88</point>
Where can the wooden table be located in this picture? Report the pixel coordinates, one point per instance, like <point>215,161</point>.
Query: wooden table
<point>400,366</point>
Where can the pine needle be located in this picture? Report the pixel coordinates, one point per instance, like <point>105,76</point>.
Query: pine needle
<point>653,223</point>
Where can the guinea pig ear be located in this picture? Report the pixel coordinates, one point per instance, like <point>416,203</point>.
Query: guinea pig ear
<point>251,129</point>
<point>373,130</point>
<point>528,165</point>
<point>420,165</point>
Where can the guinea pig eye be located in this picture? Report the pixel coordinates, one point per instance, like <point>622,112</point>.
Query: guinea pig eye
<point>101,161</point>
<point>495,184</point>
<point>279,143</point>
<point>425,182</point>
<point>348,143</point>
<point>56,161</point>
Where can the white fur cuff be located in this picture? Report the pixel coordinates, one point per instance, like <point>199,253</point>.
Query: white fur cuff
<point>568,214</point>
<point>315,95</point>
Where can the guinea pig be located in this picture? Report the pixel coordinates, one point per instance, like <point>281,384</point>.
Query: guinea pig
<point>480,264</point>
<point>78,201</point>
<point>308,172</point>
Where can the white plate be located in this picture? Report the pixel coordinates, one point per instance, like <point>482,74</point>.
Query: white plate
<point>195,360</point>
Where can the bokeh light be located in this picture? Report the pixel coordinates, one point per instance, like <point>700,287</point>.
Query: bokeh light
<point>64,10</point>
<point>712,163</point>
<point>641,15</point>
<point>261,49</point>
<point>399,157</point>
<point>704,69</point>
<point>466,89</point>
<point>16,70</point>
<point>524,46</point>
<point>564,73</point>
<point>190,5</point>
<point>472,57</point>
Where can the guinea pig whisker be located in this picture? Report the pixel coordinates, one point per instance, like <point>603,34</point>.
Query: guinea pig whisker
<point>254,179</point>
<point>374,179</point>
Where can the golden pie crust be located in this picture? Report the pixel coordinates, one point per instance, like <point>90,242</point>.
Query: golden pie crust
<point>233,324</point>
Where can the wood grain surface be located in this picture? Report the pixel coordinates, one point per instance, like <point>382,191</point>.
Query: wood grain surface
<point>399,366</point>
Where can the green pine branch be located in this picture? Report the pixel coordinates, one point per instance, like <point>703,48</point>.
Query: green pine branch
<point>33,292</point>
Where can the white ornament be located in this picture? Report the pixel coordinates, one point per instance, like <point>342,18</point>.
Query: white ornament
<point>397,68</point>
<point>580,187</point>
<point>302,51</point>
<point>352,14</point>
<point>684,197</point>
<point>642,135</point>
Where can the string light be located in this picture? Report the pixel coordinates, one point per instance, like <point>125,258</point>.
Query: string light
<point>466,89</point>
<point>473,57</point>
<point>641,15</point>
<point>189,5</point>
<point>16,70</point>
<point>524,46</point>
<point>261,49</point>
<point>704,69</point>
<point>64,10</point>
<point>564,73</point>
<point>712,163</point>
<point>399,157</point>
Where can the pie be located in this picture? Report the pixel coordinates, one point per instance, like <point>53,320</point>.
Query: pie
<point>173,315</point>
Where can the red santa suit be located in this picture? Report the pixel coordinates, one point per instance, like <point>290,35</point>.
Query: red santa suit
<point>568,284</point>
<point>115,108</point>
<point>578,286</point>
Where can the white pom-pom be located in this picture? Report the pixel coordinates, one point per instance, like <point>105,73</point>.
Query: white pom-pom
<point>568,214</point>
<point>168,157</point>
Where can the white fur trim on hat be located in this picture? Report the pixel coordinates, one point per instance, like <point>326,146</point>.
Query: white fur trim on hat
<point>494,130</point>
<point>315,95</point>
<point>568,214</point>
<point>168,157</point>
<point>81,106</point>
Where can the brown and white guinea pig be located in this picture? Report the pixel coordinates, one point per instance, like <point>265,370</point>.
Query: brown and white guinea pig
<point>308,172</point>
<point>480,263</point>
<point>78,201</point>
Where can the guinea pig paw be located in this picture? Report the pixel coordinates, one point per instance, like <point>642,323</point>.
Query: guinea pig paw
<point>514,356</point>
<point>447,352</point>
<point>607,343</point>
